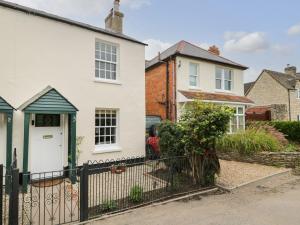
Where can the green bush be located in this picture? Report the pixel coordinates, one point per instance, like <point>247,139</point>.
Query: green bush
<point>109,205</point>
<point>290,128</point>
<point>170,139</point>
<point>136,194</point>
<point>249,142</point>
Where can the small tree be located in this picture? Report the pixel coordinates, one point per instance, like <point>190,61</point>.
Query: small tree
<point>202,123</point>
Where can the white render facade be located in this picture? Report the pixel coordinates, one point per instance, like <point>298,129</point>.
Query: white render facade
<point>194,75</point>
<point>37,52</point>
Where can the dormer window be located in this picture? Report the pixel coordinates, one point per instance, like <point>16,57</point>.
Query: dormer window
<point>105,61</point>
<point>224,79</point>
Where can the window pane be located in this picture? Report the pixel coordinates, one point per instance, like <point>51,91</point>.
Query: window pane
<point>219,84</point>
<point>241,122</point>
<point>227,75</point>
<point>102,74</point>
<point>193,81</point>
<point>241,110</point>
<point>102,65</point>
<point>227,85</point>
<point>97,73</point>
<point>193,69</point>
<point>219,73</point>
<point>106,127</point>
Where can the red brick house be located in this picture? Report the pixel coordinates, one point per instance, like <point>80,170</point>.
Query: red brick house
<point>185,72</point>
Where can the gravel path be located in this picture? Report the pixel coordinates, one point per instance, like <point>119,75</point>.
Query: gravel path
<point>236,173</point>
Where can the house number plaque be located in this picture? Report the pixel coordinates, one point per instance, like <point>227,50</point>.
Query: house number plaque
<point>47,136</point>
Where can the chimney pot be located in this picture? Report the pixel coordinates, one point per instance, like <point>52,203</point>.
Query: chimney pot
<point>214,49</point>
<point>114,21</point>
<point>291,70</point>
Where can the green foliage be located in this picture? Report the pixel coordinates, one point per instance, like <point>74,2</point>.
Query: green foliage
<point>109,205</point>
<point>136,194</point>
<point>248,142</point>
<point>170,139</point>
<point>290,128</point>
<point>202,123</point>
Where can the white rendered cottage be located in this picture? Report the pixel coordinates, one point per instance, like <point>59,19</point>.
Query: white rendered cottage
<point>68,80</point>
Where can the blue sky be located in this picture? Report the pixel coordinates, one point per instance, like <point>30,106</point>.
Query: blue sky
<point>258,33</point>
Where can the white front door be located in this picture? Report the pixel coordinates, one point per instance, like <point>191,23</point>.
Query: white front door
<point>46,148</point>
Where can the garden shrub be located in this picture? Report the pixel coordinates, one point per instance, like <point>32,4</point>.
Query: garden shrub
<point>136,194</point>
<point>249,142</point>
<point>290,128</point>
<point>202,123</point>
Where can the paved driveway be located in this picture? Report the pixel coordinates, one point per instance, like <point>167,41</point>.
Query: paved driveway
<point>275,201</point>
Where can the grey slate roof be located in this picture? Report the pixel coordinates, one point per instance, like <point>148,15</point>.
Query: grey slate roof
<point>286,80</point>
<point>40,13</point>
<point>247,86</point>
<point>185,48</point>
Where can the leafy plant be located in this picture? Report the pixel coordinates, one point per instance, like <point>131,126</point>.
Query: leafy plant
<point>290,128</point>
<point>109,205</point>
<point>136,194</point>
<point>202,123</point>
<point>248,142</point>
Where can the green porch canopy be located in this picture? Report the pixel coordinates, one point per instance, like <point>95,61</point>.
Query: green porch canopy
<point>50,101</point>
<point>6,108</point>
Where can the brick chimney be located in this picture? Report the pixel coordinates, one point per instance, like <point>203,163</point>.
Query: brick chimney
<point>114,21</point>
<point>291,70</point>
<point>214,49</point>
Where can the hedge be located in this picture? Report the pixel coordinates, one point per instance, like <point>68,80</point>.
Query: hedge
<point>291,129</point>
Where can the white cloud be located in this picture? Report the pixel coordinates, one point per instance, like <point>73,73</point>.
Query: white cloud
<point>155,46</point>
<point>294,30</point>
<point>79,7</point>
<point>245,42</point>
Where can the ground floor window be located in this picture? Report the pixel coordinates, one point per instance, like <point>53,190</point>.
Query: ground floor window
<point>106,127</point>
<point>237,122</point>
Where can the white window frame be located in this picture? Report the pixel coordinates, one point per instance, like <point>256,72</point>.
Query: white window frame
<point>108,73</point>
<point>194,75</point>
<point>223,69</point>
<point>237,115</point>
<point>298,93</point>
<point>104,147</point>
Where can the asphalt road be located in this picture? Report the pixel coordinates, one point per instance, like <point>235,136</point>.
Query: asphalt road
<point>275,201</point>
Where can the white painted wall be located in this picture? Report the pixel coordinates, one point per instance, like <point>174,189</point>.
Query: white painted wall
<point>207,72</point>
<point>2,138</point>
<point>37,52</point>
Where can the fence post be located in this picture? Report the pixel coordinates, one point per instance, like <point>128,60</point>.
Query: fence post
<point>1,194</point>
<point>14,198</point>
<point>84,193</point>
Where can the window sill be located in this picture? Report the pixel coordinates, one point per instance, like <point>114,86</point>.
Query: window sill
<point>222,90</point>
<point>107,149</point>
<point>194,88</point>
<point>116,82</point>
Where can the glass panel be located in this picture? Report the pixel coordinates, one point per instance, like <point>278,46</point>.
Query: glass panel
<point>193,81</point>
<point>97,73</point>
<point>227,85</point>
<point>241,110</point>
<point>102,65</point>
<point>218,73</point>
<point>193,69</point>
<point>114,50</point>
<point>47,120</point>
<point>218,84</point>
<point>227,75</point>
<point>234,124</point>
<point>241,122</point>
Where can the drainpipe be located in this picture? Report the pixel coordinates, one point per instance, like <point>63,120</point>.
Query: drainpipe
<point>167,90</point>
<point>289,96</point>
<point>174,90</point>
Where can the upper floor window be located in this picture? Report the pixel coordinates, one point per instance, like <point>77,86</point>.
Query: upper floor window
<point>105,61</point>
<point>298,93</point>
<point>194,75</point>
<point>224,79</point>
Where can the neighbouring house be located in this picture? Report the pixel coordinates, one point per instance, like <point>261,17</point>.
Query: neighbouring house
<point>69,80</point>
<point>186,72</point>
<point>277,92</point>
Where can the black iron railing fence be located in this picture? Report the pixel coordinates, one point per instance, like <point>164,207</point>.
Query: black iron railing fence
<point>90,191</point>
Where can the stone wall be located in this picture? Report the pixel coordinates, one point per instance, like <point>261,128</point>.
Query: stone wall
<point>281,159</point>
